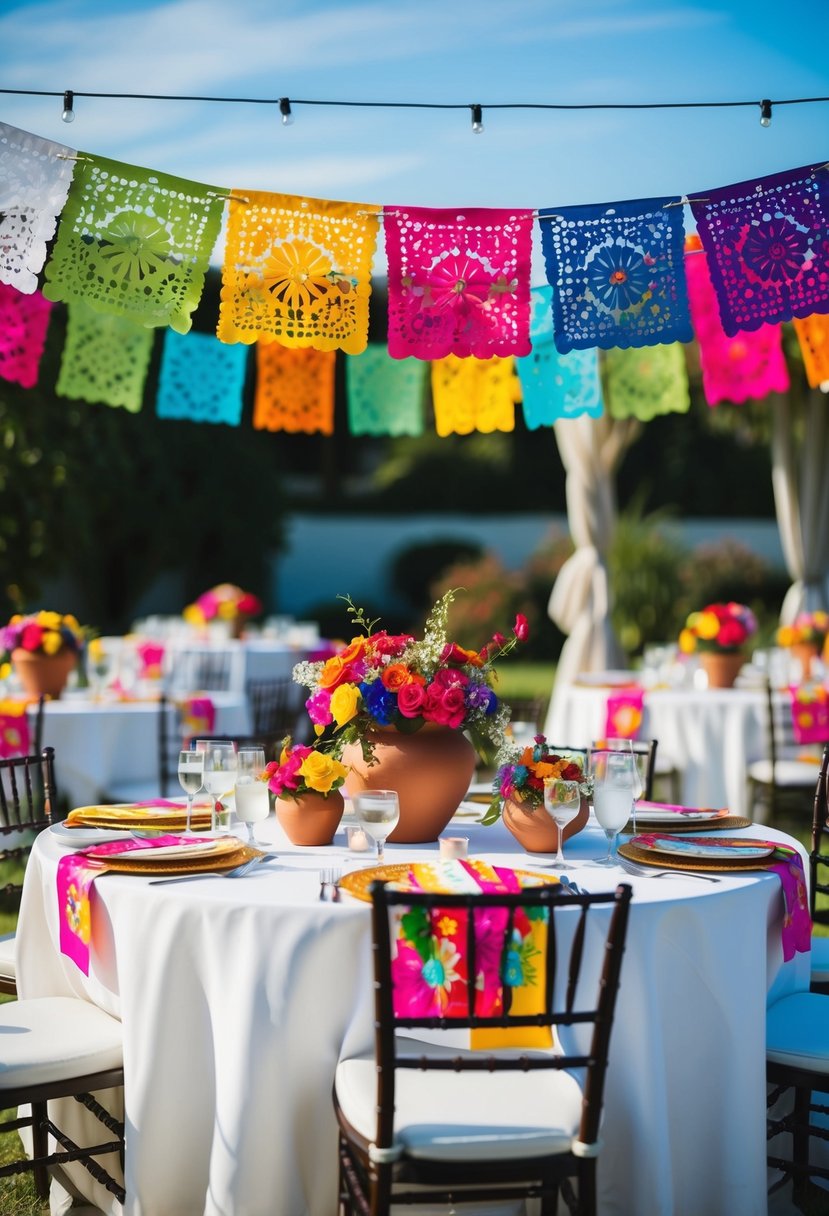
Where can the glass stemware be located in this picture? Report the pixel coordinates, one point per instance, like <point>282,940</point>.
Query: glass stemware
<point>219,779</point>
<point>562,800</point>
<point>252,799</point>
<point>378,812</point>
<point>191,779</point>
<point>640,762</point>
<point>614,781</point>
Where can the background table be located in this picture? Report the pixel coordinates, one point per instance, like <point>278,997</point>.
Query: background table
<point>710,734</point>
<point>239,996</point>
<point>100,741</point>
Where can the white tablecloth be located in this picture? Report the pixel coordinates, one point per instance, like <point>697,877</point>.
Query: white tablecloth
<point>710,734</point>
<point>238,996</point>
<point>98,742</point>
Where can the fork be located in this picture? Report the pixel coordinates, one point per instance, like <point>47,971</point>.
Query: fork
<point>646,872</point>
<point>237,872</point>
<point>329,880</point>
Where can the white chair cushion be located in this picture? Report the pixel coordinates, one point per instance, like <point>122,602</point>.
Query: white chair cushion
<point>54,1038</point>
<point>820,959</point>
<point>791,773</point>
<point>469,1116</point>
<point>8,967</point>
<point>796,1029</point>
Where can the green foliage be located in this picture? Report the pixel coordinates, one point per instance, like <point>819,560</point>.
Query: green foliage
<point>645,578</point>
<point>417,568</point>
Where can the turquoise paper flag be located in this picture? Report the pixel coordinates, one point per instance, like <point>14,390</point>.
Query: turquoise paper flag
<point>385,395</point>
<point>554,385</point>
<point>201,379</point>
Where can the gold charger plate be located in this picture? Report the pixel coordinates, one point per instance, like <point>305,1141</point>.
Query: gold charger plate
<point>235,853</point>
<point>357,882</point>
<point>670,861</point>
<point>699,825</point>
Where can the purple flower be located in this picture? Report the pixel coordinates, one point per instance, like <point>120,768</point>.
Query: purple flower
<point>775,251</point>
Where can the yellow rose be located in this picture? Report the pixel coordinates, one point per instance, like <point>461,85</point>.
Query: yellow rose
<point>226,610</point>
<point>687,641</point>
<point>321,771</point>
<point>51,642</point>
<point>344,703</point>
<point>96,650</point>
<point>193,615</point>
<point>786,636</point>
<point>707,626</point>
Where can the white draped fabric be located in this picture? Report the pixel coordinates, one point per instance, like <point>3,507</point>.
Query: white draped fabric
<point>590,449</point>
<point>800,458</point>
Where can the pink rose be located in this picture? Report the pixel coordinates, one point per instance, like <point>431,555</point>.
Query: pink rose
<point>521,628</point>
<point>445,706</point>
<point>410,700</point>
<point>449,677</point>
<point>319,707</point>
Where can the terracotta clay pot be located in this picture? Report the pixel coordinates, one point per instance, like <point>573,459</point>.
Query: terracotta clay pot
<point>721,667</point>
<point>430,769</point>
<point>311,819</point>
<point>43,674</point>
<point>535,831</point>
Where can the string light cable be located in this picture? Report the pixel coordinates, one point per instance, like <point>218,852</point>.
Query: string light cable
<point>475,109</point>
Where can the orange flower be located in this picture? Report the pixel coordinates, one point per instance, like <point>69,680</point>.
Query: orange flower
<point>395,676</point>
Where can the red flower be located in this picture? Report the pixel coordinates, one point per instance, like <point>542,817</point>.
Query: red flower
<point>521,628</point>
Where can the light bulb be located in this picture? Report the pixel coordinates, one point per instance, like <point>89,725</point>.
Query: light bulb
<point>285,111</point>
<point>477,119</point>
<point>765,113</point>
<point>68,114</point>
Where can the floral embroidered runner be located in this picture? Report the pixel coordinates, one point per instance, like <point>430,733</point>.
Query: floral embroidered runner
<point>430,969</point>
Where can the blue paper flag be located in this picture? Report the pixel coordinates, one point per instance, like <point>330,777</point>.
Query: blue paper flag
<point>201,379</point>
<point>618,274</point>
<point>554,385</point>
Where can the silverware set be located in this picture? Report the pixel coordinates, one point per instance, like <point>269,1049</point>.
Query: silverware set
<point>638,871</point>
<point>237,872</point>
<point>330,884</point>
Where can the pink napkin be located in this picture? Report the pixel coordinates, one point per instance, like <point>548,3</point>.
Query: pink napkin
<point>810,713</point>
<point>76,874</point>
<point>623,714</point>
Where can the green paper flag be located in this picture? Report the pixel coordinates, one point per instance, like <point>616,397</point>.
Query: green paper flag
<point>385,395</point>
<point>645,381</point>
<point>105,359</point>
<point>134,243</point>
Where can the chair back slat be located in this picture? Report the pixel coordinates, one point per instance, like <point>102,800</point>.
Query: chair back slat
<point>28,801</point>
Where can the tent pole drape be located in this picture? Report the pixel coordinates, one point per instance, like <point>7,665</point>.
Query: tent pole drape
<point>801,497</point>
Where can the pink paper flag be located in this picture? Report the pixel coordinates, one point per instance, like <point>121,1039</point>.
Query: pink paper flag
<point>733,369</point>
<point>459,283</point>
<point>24,320</point>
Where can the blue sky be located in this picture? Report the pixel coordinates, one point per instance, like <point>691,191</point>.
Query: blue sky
<point>456,51</point>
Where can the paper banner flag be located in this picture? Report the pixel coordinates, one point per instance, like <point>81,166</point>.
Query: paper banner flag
<point>617,274</point>
<point>105,359</point>
<point>298,270</point>
<point>24,320</point>
<point>385,395</point>
<point>733,369</point>
<point>459,283</point>
<point>644,383</point>
<point>134,243</point>
<point>623,713</point>
<point>554,385</point>
<point>810,713</point>
<point>813,336</point>
<point>201,379</point>
<point>767,242</point>
<point>35,175</point>
<point>474,395</point>
<point>294,389</point>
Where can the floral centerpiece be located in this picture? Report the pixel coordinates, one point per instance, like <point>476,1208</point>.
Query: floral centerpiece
<point>398,710</point>
<point>718,628</point>
<point>807,628</point>
<point>719,632</point>
<point>521,773</point>
<point>395,680</point>
<point>306,782</point>
<point>224,602</point>
<point>43,648</point>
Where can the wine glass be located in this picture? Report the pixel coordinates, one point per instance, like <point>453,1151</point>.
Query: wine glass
<point>191,778</point>
<point>562,801</point>
<point>252,801</point>
<point>219,778</point>
<point>378,812</point>
<point>614,781</point>
<point>640,761</point>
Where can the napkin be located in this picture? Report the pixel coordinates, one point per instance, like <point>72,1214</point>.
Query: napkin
<point>76,874</point>
<point>430,970</point>
<point>623,713</point>
<point>132,812</point>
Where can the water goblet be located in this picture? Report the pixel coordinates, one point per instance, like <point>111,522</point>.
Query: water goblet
<point>640,763</point>
<point>219,779</point>
<point>562,801</point>
<point>191,779</point>
<point>614,780</point>
<point>252,798</point>
<point>378,812</point>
